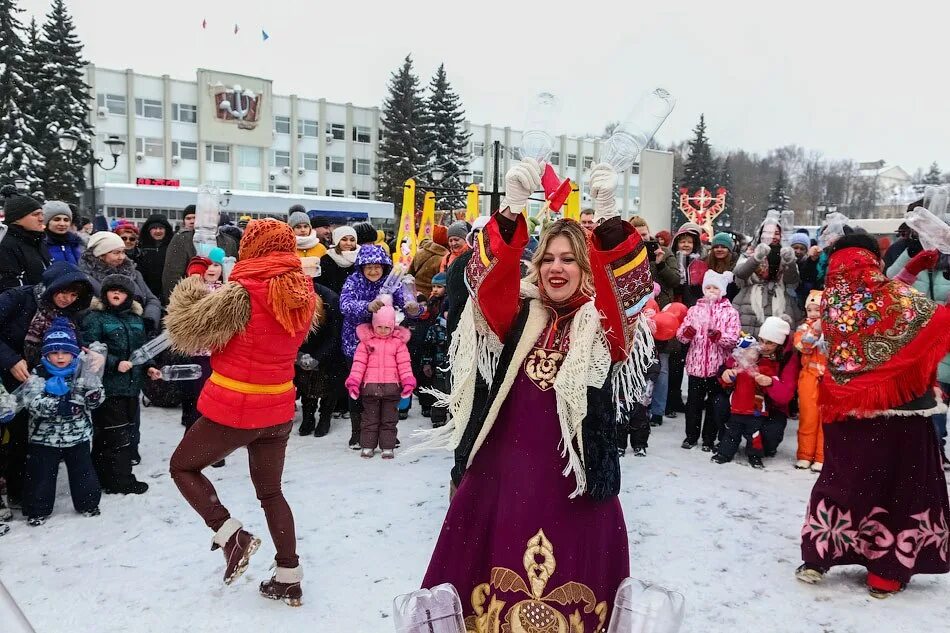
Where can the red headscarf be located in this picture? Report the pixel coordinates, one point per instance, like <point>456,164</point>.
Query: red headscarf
<point>884,338</point>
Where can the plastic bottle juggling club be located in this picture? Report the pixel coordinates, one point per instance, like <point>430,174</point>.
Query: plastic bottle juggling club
<point>173,373</point>
<point>436,610</point>
<point>151,349</point>
<point>24,394</point>
<point>306,362</point>
<point>537,141</point>
<point>636,131</point>
<point>642,607</point>
<point>92,365</point>
<point>771,226</point>
<point>206,219</point>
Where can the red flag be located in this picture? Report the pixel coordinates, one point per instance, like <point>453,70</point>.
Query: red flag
<point>204,24</point>
<point>549,181</point>
<point>556,200</point>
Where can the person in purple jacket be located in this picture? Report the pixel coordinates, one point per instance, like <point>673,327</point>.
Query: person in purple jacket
<point>63,245</point>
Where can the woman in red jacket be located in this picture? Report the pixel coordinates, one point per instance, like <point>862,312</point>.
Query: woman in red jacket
<point>253,326</point>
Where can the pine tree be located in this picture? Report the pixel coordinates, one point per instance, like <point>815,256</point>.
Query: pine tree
<point>779,198</point>
<point>446,137</point>
<point>32,67</point>
<point>62,83</point>
<point>724,221</point>
<point>402,151</point>
<point>19,157</point>
<point>699,170</point>
<point>933,176</point>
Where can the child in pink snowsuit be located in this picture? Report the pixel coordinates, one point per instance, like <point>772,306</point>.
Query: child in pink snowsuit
<point>381,375</point>
<point>711,329</point>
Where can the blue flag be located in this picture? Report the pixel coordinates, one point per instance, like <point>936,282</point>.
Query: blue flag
<point>264,35</point>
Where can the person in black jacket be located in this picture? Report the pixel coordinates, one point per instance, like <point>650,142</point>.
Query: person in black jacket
<point>23,253</point>
<point>156,235</point>
<point>24,315</point>
<point>321,386</point>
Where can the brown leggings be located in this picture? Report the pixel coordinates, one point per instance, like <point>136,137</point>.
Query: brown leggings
<point>207,442</point>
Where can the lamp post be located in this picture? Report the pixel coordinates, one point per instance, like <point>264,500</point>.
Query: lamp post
<point>68,142</point>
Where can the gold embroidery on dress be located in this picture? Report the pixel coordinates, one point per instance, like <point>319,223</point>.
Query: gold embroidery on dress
<point>542,366</point>
<point>534,615</point>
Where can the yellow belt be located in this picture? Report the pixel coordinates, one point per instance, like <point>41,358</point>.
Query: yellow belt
<point>247,387</point>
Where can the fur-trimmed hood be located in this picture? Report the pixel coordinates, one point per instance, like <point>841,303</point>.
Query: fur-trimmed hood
<point>97,305</point>
<point>364,333</point>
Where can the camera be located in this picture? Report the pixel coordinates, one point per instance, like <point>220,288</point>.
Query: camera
<point>652,246</point>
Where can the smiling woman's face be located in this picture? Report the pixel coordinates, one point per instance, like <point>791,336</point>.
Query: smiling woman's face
<point>560,273</point>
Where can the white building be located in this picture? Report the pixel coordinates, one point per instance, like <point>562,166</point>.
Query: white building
<point>308,148</point>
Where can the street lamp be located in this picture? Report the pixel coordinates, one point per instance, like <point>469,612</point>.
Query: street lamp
<point>68,142</point>
<point>20,184</point>
<point>226,197</point>
<point>436,174</point>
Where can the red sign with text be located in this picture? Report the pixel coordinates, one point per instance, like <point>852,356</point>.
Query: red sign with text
<point>158,182</point>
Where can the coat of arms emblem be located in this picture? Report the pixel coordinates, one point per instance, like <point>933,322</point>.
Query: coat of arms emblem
<point>234,103</point>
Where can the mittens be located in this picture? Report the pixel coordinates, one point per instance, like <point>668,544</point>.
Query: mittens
<point>714,336</point>
<point>689,332</point>
<point>761,252</point>
<point>603,184</point>
<point>521,180</point>
<point>787,254</point>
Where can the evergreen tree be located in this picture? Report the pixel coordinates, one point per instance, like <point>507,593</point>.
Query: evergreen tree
<point>699,170</point>
<point>19,157</point>
<point>62,83</point>
<point>402,152</point>
<point>779,198</point>
<point>33,67</point>
<point>933,176</point>
<point>724,221</point>
<point>446,137</point>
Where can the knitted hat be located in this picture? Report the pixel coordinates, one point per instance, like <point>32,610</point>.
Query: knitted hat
<point>799,238</point>
<point>125,225</point>
<point>266,236</point>
<point>244,219</point>
<point>343,231</point>
<point>17,206</point>
<point>365,233</point>
<point>723,239</point>
<point>189,210</point>
<point>318,221</point>
<point>665,236</point>
<point>439,279</point>
<point>117,282</point>
<point>298,217</point>
<point>459,229</point>
<point>813,299</point>
<point>60,337</point>
<point>385,316</point>
<point>197,266</point>
<point>104,242</point>
<point>440,235</point>
<point>775,330</point>
<point>720,280</point>
<point>294,208</point>
<point>56,207</point>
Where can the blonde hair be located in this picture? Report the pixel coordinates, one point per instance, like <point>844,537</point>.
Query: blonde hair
<point>636,221</point>
<point>575,234</point>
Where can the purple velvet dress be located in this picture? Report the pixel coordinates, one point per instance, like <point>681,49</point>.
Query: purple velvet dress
<point>523,556</point>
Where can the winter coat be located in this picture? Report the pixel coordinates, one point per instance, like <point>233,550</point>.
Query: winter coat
<point>97,270</point>
<point>748,398</point>
<point>18,306</point>
<point>667,276</point>
<point>759,298</point>
<point>151,259</point>
<point>426,264</point>
<point>456,292</point>
<point>783,386</point>
<point>123,332</point>
<point>705,356</point>
<point>62,421</point>
<point>64,248</point>
<point>381,360</point>
<point>323,345</point>
<point>180,251</point>
<point>358,292</point>
<point>23,257</point>
<point>318,250</point>
<point>334,271</point>
<point>435,347</point>
<point>934,284</point>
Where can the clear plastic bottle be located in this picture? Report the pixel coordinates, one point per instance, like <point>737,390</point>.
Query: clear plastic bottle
<point>633,135</point>
<point>173,373</point>
<point>206,219</point>
<point>151,349</point>
<point>24,394</point>
<point>537,140</point>
<point>436,610</point>
<point>92,365</point>
<point>642,607</point>
<point>306,362</point>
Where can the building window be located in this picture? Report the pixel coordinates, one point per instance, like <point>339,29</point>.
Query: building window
<point>185,150</point>
<point>218,153</point>
<point>307,127</point>
<point>572,160</point>
<point>282,124</point>
<point>338,130</point>
<point>249,186</point>
<point>361,195</point>
<point>249,156</point>
<point>362,134</point>
<point>555,158</point>
<point>478,149</point>
<point>478,177</point>
<point>151,147</point>
<point>279,188</point>
<point>115,104</point>
<point>189,182</point>
<point>336,193</point>
<point>310,162</point>
<point>588,161</point>
<point>362,167</point>
<point>220,184</point>
<point>281,159</point>
<point>311,191</point>
<point>335,164</point>
<point>184,112</point>
<point>148,108</point>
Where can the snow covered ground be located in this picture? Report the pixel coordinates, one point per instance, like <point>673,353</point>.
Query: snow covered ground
<point>726,536</point>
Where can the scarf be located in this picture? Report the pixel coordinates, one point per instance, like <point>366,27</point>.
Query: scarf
<point>289,293</point>
<point>343,259</point>
<point>56,384</point>
<point>884,339</point>
<point>306,242</point>
<point>41,321</point>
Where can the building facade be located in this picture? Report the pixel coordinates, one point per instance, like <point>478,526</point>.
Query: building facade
<point>232,132</point>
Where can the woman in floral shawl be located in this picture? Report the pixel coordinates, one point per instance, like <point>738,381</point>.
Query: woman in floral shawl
<point>881,499</point>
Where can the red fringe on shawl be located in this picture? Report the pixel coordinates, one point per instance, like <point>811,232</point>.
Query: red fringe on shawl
<point>906,376</point>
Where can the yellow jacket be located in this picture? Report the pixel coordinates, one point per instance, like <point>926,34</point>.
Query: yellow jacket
<point>314,251</point>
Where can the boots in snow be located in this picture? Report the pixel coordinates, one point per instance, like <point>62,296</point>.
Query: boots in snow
<point>809,575</point>
<point>6,513</point>
<point>367,453</point>
<point>640,451</point>
<point>309,422</point>
<point>219,464</point>
<point>284,585</point>
<point>36,521</point>
<point>755,461</point>
<point>355,432</point>
<point>389,453</point>
<point>802,464</point>
<point>946,461</point>
<point>238,547</point>
<point>882,587</point>
<point>707,448</point>
<point>656,420</point>
<point>323,423</point>
<point>719,459</point>
<point>133,487</point>
<point>687,444</point>
<point>92,513</point>
<point>4,528</point>
<point>816,467</point>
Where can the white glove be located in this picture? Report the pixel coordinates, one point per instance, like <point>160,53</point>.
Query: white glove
<point>761,252</point>
<point>603,184</point>
<point>787,254</point>
<point>521,180</point>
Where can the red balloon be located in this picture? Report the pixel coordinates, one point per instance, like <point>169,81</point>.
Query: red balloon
<point>666,326</point>
<point>652,305</point>
<point>676,309</point>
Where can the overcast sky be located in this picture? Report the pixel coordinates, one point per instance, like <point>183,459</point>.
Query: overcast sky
<point>839,77</point>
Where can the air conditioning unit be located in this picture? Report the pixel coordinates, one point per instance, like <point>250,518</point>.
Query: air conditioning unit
<point>103,112</point>
<point>286,170</point>
<point>300,171</point>
<point>140,156</point>
<point>299,135</point>
<point>329,138</point>
<point>176,160</point>
<point>272,177</point>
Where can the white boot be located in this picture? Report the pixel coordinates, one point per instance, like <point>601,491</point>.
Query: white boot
<point>802,464</point>
<point>816,467</point>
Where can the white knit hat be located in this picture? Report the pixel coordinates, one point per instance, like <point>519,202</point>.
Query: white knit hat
<point>103,242</point>
<point>720,280</point>
<point>775,330</point>
<point>342,231</point>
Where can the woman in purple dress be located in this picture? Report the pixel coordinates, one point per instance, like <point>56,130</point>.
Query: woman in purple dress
<point>535,539</point>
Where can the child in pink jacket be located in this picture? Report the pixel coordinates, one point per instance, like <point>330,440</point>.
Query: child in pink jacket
<point>381,375</point>
<point>711,328</point>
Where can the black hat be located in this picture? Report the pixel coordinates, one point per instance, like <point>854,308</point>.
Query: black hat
<point>17,206</point>
<point>365,233</point>
<point>318,220</point>
<point>117,282</point>
<point>189,210</point>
